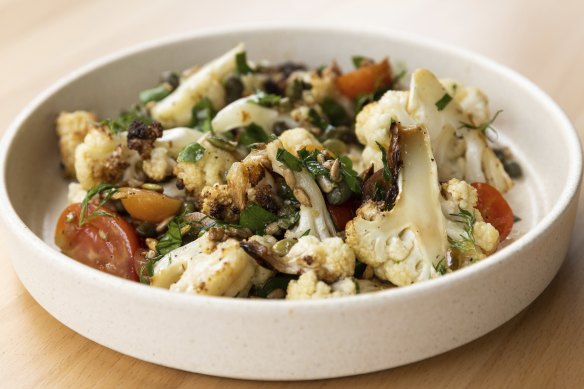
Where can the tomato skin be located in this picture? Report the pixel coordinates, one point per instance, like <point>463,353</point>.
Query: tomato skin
<point>365,80</point>
<point>102,242</point>
<point>494,208</point>
<point>148,205</point>
<point>342,213</point>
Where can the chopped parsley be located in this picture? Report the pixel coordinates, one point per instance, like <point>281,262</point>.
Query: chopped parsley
<point>241,63</point>
<point>350,176</point>
<point>256,218</point>
<point>443,102</point>
<point>335,113</point>
<point>172,239</point>
<point>253,134</point>
<point>289,160</point>
<point>265,99</point>
<point>122,122</point>
<point>387,176</point>
<point>308,159</point>
<point>191,153</point>
<point>202,115</point>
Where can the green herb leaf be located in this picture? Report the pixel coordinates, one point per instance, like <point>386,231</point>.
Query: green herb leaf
<point>483,127</point>
<point>191,153</point>
<point>443,102</point>
<point>253,134</point>
<point>387,176</point>
<point>202,115</point>
<point>172,239</point>
<point>241,63</point>
<point>265,99</point>
<point>466,244</point>
<point>358,60</point>
<point>335,112</point>
<point>122,122</point>
<point>109,190</point>
<point>154,94</point>
<point>289,160</point>
<point>350,176</point>
<point>305,233</point>
<point>315,119</point>
<point>256,218</point>
<point>310,162</point>
<point>441,267</point>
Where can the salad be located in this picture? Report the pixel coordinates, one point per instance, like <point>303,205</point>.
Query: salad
<point>262,180</point>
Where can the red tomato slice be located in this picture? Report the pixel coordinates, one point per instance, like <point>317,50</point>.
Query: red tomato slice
<point>494,208</point>
<point>102,242</point>
<point>365,79</point>
<point>342,213</point>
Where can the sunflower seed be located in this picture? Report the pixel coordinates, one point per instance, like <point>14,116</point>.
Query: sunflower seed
<point>302,197</point>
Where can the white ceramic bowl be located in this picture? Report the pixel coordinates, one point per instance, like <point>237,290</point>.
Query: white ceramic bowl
<point>281,339</point>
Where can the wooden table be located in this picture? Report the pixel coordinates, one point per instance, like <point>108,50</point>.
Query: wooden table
<point>41,41</point>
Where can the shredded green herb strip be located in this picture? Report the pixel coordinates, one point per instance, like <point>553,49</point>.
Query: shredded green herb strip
<point>335,112</point>
<point>256,218</point>
<point>265,99</point>
<point>191,153</point>
<point>483,127</point>
<point>172,239</point>
<point>289,160</point>
<point>109,190</point>
<point>466,244</point>
<point>315,119</point>
<point>308,159</point>
<point>154,94</point>
<point>122,122</point>
<point>253,134</point>
<point>350,176</point>
<point>441,267</point>
<point>202,115</point>
<point>443,102</point>
<point>242,64</point>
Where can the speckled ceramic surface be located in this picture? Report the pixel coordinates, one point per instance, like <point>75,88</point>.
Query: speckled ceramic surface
<point>279,339</point>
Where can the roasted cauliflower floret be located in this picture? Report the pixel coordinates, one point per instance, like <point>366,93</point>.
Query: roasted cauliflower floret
<point>160,165</point>
<point>72,127</point>
<point>405,243</point>
<point>314,216</point>
<point>209,170</point>
<point>76,193</point>
<point>331,259</point>
<point>460,152</point>
<point>216,201</point>
<point>470,237</point>
<point>207,267</point>
<point>472,100</point>
<point>102,157</point>
<point>246,176</point>
<point>176,109</point>
<point>309,287</point>
<point>299,138</point>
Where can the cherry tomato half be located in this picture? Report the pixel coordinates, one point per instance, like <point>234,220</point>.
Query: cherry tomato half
<point>106,243</point>
<point>148,205</point>
<point>494,208</point>
<point>365,79</point>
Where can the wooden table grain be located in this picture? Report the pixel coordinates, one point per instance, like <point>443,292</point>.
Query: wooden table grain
<point>43,40</point>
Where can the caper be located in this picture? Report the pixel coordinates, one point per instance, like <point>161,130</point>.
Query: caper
<point>222,143</point>
<point>336,146</point>
<point>283,246</point>
<point>233,89</point>
<point>513,169</point>
<point>339,194</point>
<point>146,230</point>
<point>171,78</point>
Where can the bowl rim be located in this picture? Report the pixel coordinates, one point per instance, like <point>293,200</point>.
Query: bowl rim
<point>104,280</point>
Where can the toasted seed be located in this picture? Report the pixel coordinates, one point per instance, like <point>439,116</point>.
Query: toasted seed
<point>150,254</point>
<point>216,234</point>
<point>266,163</point>
<point>276,294</point>
<point>328,164</point>
<point>153,187</point>
<point>238,232</point>
<point>184,229</point>
<point>320,158</point>
<point>325,184</point>
<point>283,246</point>
<point>302,197</point>
<point>119,195</point>
<point>272,228</point>
<point>290,178</point>
<point>151,243</point>
<point>336,171</point>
